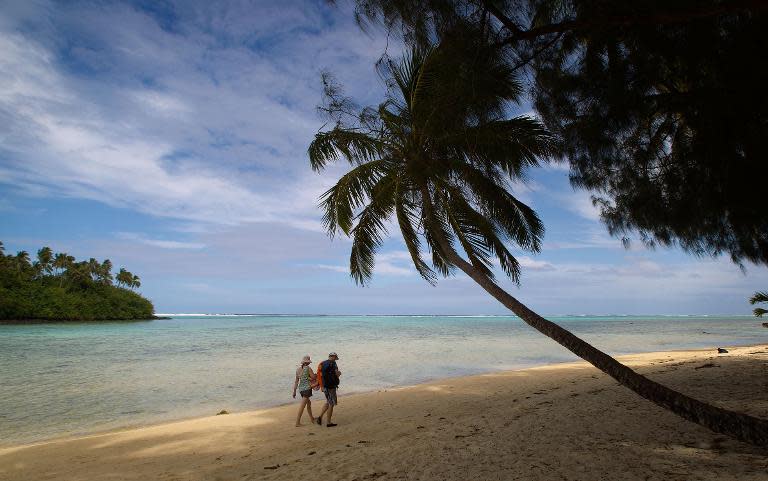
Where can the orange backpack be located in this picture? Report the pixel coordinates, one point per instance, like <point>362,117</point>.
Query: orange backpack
<point>319,381</point>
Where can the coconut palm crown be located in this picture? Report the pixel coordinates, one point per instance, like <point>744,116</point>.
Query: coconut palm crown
<point>438,155</point>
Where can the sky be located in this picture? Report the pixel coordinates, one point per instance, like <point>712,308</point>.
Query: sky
<point>171,138</point>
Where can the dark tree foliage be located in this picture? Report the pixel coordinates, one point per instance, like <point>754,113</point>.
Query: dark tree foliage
<point>660,105</point>
<point>58,288</point>
<point>667,124</point>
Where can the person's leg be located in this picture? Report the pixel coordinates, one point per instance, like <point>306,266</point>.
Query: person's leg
<point>301,411</point>
<point>332,401</point>
<point>322,412</point>
<point>309,410</point>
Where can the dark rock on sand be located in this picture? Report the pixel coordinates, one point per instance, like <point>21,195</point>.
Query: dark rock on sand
<point>720,350</point>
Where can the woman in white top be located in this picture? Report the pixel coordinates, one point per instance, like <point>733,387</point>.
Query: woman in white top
<point>305,377</point>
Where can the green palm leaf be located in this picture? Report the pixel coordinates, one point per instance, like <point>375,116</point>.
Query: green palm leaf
<point>355,146</point>
<point>349,193</point>
<point>760,296</point>
<point>370,230</point>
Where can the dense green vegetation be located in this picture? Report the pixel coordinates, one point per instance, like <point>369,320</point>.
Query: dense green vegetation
<point>57,287</point>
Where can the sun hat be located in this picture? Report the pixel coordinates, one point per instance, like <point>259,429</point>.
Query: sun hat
<point>305,359</point>
<point>334,354</point>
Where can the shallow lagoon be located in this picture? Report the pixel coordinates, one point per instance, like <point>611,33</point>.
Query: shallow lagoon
<point>63,379</point>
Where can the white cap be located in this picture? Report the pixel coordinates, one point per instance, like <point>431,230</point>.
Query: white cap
<point>333,354</point>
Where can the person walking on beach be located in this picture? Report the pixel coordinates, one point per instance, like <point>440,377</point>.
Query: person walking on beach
<point>303,382</point>
<point>328,374</point>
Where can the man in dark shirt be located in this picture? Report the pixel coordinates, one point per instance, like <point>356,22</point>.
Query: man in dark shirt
<point>330,375</point>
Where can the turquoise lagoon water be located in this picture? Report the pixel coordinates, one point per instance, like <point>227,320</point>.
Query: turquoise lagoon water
<point>65,379</point>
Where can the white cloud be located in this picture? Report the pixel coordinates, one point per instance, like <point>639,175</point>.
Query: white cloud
<point>580,203</point>
<point>164,244</point>
<point>393,263</point>
<point>203,126</point>
<point>330,267</point>
<point>532,264</point>
<point>589,237</point>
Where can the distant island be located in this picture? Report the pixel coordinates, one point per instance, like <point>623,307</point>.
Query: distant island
<point>57,287</point>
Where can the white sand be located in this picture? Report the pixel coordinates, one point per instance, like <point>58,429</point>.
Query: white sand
<point>566,421</point>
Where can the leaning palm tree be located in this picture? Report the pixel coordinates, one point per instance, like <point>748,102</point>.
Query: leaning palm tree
<point>105,272</point>
<point>760,296</point>
<point>60,263</point>
<point>438,156</point>
<point>123,277</point>
<point>45,260</point>
<point>22,261</point>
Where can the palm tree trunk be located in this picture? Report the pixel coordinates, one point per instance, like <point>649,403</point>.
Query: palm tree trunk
<point>740,426</point>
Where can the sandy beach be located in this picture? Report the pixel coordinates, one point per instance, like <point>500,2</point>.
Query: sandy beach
<point>563,421</point>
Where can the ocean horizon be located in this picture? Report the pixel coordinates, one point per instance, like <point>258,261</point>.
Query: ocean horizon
<point>64,379</point>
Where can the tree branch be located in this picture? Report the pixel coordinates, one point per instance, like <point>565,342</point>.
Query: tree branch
<point>663,18</point>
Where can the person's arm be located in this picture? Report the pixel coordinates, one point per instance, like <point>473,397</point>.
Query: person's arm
<point>295,384</point>
<point>312,375</point>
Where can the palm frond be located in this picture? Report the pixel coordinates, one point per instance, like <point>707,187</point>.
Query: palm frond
<point>472,241</point>
<point>759,296</point>
<point>369,232</point>
<point>437,227</point>
<point>490,233</point>
<point>485,236</point>
<point>512,145</point>
<point>521,224</point>
<point>406,217</point>
<point>341,201</point>
<point>355,146</point>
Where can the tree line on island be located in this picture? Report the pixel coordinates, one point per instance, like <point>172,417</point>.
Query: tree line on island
<point>55,286</point>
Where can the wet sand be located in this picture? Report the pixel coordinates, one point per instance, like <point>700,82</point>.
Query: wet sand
<point>564,421</point>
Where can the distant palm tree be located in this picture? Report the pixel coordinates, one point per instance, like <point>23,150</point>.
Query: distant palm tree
<point>105,272</point>
<point>123,278</point>
<point>45,260</point>
<point>760,296</point>
<point>438,156</point>
<point>22,260</point>
<point>135,282</point>
<point>94,269</point>
<point>60,262</point>
<point>120,277</point>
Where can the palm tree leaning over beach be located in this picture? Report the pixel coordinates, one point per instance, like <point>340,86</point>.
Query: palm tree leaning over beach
<point>439,156</point>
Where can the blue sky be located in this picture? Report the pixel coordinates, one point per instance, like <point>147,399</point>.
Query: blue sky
<point>171,138</point>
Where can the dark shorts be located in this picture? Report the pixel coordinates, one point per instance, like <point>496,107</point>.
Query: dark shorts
<point>330,396</point>
<point>306,394</point>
